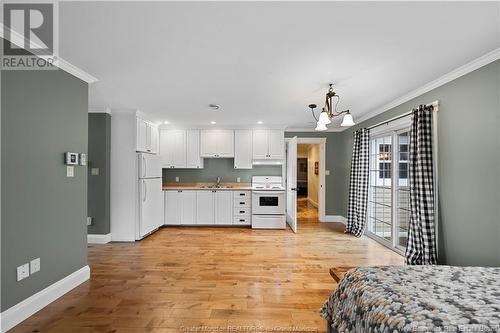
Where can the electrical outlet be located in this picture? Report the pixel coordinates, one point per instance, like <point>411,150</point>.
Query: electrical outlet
<point>34,265</point>
<point>238,180</point>
<point>23,272</point>
<point>89,220</point>
<point>70,171</point>
<point>176,179</point>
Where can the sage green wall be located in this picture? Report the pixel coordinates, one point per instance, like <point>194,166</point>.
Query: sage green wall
<point>469,165</point>
<point>223,167</point>
<point>44,114</point>
<point>335,150</point>
<point>99,185</point>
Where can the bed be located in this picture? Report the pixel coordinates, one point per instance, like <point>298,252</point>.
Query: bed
<point>415,299</point>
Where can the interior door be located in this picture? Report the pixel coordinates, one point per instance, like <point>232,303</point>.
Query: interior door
<point>291,183</point>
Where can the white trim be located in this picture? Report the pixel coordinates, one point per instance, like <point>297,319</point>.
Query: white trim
<point>454,74</point>
<point>24,309</point>
<point>18,39</point>
<point>98,239</point>
<point>96,109</point>
<point>322,170</point>
<point>312,202</point>
<point>334,218</point>
<point>122,238</point>
<point>311,129</point>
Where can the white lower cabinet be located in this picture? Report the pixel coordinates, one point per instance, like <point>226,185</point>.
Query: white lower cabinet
<point>180,207</point>
<point>207,207</point>
<point>223,207</point>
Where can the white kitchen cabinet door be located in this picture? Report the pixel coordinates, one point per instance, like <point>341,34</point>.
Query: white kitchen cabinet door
<point>188,207</point>
<point>154,139</point>
<point>193,155</point>
<point>260,144</point>
<point>276,140</point>
<point>225,143</point>
<point>173,148</point>
<point>179,149</point>
<point>208,143</point>
<point>243,149</point>
<point>149,140</point>
<point>141,133</point>
<point>205,207</point>
<point>172,208</point>
<point>223,207</point>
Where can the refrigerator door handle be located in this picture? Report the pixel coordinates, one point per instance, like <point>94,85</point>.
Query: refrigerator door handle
<point>145,189</point>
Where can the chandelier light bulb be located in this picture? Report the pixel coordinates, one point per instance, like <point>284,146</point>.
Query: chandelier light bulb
<point>320,127</point>
<point>348,121</point>
<point>323,118</point>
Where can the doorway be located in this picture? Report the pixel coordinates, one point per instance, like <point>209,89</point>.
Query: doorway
<point>308,156</point>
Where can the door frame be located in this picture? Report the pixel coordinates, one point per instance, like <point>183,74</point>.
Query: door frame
<point>322,171</point>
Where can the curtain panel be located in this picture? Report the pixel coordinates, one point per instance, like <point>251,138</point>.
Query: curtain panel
<point>358,185</point>
<point>421,249</point>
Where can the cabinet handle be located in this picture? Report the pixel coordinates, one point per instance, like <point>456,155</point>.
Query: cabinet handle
<point>180,191</point>
<point>242,211</point>
<point>242,220</point>
<point>242,203</point>
<point>242,194</point>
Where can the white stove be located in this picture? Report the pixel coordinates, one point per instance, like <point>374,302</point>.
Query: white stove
<point>268,202</point>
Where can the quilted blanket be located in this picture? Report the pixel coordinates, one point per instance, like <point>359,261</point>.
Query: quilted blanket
<point>416,299</point>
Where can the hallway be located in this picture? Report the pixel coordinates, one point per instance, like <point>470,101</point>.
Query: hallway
<point>306,212</point>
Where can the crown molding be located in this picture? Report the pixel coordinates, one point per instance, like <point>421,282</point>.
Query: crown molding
<point>311,129</point>
<point>454,74</point>
<point>18,39</point>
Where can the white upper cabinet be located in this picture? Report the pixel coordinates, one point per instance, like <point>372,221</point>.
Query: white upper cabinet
<point>146,136</point>
<point>268,144</point>
<point>242,149</point>
<point>173,148</point>
<point>217,143</point>
<point>193,156</point>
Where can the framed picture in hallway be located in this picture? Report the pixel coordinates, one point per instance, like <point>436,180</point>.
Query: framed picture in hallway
<point>316,168</point>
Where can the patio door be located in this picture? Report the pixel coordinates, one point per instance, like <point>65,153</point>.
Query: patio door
<point>389,192</point>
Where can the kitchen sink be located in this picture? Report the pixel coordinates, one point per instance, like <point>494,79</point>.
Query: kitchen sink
<point>217,186</point>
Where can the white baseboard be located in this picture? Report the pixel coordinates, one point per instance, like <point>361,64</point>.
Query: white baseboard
<point>24,309</point>
<point>98,239</point>
<point>335,218</point>
<point>314,203</point>
<point>122,238</point>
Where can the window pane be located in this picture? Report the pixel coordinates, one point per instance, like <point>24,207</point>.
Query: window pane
<point>403,192</point>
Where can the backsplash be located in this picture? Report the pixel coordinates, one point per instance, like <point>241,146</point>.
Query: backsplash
<point>222,167</point>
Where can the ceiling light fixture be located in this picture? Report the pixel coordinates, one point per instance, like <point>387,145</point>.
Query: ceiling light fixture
<point>166,122</point>
<point>213,122</point>
<point>260,122</point>
<point>330,111</point>
<point>214,107</point>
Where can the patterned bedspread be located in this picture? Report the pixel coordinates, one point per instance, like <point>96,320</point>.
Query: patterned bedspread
<point>416,299</point>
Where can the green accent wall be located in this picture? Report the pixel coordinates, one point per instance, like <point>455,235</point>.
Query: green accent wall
<point>99,157</point>
<point>44,114</point>
<point>222,167</point>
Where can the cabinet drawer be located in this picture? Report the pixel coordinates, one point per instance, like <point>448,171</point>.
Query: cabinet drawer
<point>242,211</point>
<point>242,194</point>
<point>242,220</point>
<point>242,202</point>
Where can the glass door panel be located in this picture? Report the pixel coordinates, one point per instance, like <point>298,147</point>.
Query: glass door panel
<point>402,191</point>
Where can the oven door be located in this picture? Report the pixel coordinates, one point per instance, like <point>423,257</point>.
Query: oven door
<point>268,202</point>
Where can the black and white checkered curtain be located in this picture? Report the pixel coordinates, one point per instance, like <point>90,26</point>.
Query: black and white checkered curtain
<point>421,249</point>
<point>358,185</point>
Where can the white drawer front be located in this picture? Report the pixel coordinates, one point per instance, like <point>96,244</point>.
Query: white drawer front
<point>247,202</point>
<point>242,194</point>
<point>242,220</point>
<point>242,211</point>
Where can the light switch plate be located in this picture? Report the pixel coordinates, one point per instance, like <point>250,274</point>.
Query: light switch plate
<point>89,220</point>
<point>176,179</point>
<point>327,172</point>
<point>34,265</point>
<point>238,180</point>
<point>94,171</point>
<point>23,272</point>
<point>70,171</point>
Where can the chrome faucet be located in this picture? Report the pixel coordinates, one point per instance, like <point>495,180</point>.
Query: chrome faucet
<point>218,181</point>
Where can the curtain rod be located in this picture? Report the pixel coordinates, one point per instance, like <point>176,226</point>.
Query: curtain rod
<point>434,104</point>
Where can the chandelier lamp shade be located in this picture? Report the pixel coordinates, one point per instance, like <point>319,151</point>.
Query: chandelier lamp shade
<point>329,112</point>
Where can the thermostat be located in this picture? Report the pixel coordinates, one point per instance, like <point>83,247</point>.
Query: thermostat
<point>70,158</point>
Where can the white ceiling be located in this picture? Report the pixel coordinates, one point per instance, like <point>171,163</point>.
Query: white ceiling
<point>267,60</point>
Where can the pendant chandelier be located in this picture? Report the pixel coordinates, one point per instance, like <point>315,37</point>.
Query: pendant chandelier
<point>330,111</point>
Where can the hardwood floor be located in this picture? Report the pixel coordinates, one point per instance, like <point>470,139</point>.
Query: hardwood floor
<point>183,278</point>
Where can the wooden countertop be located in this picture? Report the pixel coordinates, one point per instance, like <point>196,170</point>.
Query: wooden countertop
<point>205,186</point>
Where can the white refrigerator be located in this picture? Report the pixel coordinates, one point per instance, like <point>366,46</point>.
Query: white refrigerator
<point>150,194</point>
